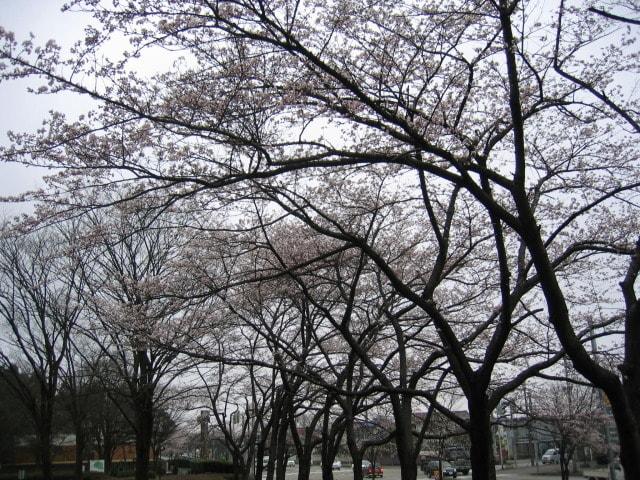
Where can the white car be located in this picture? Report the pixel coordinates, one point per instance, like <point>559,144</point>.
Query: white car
<point>336,465</point>
<point>551,456</point>
<point>291,463</point>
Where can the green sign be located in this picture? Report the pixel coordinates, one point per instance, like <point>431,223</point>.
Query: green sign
<point>96,466</point>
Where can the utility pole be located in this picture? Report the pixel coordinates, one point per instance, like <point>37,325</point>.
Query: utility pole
<point>499,430</point>
<point>514,434</point>
<point>527,412</point>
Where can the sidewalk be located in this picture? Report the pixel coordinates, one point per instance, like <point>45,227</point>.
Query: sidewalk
<point>550,470</point>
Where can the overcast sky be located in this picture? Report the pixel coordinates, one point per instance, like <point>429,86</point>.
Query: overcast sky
<point>22,111</point>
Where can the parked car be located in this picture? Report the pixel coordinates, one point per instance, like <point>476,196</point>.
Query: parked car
<point>336,465</point>
<point>458,456</point>
<point>462,465</point>
<point>448,470</point>
<point>368,469</point>
<point>291,462</point>
<point>551,456</point>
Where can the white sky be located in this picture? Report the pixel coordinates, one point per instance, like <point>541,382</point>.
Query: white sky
<point>22,111</point>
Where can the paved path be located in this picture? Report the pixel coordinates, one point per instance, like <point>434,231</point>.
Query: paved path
<point>523,472</point>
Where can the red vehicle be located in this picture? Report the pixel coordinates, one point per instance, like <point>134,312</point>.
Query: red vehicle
<point>369,470</point>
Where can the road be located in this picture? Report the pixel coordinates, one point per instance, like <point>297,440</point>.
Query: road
<point>393,473</point>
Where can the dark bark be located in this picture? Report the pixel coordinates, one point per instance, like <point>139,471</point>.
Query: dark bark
<point>242,470</point>
<point>142,456</point>
<point>482,460</point>
<point>44,449</point>
<point>304,465</point>
<point>304,444</point>
<point>304,448</point>
<point>326,461</point>
<point>80,451</point>
<point>564,463</point>
<point>246,463</point>
<point>46,465</point>
<point>276,421</point>
<point>628,433</point>
<point>333,430</point>
<point>630,368</point>
<point>260,451</point>
<point>143,405</point>
<point>281,455</point>
<point>78,409</point>
<point>356,456</point>
<point>404,441</point>
<point>352,445</point>
<point>326,453</point>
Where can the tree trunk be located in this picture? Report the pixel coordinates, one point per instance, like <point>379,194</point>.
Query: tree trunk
<point>45,462</point>
<point>628,435</point>
<point>234,461</point>
<point>107,453</point>
<point>242,468</point>
<point>326,462</point>
<point>304,448</point>
<point>275,430</point>
<point>482,461</point>
<point>248,464</point>
<point>144,430</point>
<point>304,465</point>
<point>356,454</point>
<point>260,454</point>
<point>80,447</point>
<point>143,406</point>
<point>272,456</point>
<point>626,407</point>
<point>357,465</point>
<point>331,437</point>
<point>44,436</point>
<point>142,457</point>
<point>281,460</point>
<point>404,442</point>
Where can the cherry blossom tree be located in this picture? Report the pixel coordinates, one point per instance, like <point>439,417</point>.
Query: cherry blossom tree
<point>572,415</point>
<point>240,399</point>
<point>128,276</point>
<point>392,239</point>
<point>488,99</point>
